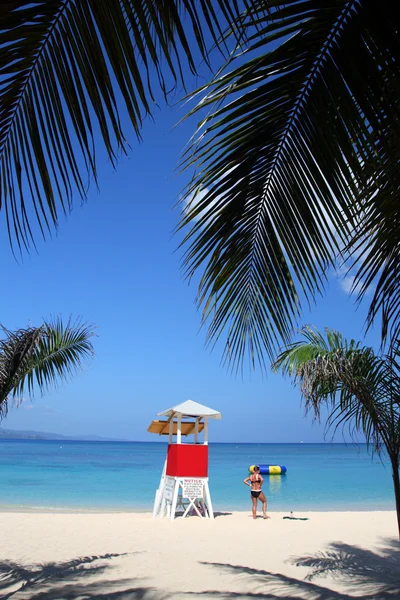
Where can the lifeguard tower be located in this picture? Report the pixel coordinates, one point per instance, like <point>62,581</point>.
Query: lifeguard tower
<point>184,480</point>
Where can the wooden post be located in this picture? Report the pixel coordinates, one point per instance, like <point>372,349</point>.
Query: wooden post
<point>208,500</point>
<point>171,430</point>
<point>206,431</point>
<point>174,500</point>
<point>159,498</point>
<point>179,430</point>
<point>196,431</point>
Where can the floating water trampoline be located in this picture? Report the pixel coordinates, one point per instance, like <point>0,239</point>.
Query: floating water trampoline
<point>269,469</point>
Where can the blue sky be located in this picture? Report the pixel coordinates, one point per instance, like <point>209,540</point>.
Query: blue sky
<point>114,262</point>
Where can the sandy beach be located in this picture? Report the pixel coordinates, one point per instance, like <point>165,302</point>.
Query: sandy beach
<point>129,556</point>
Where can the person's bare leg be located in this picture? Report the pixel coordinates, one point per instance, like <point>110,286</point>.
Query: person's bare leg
<point>254,507</point>
<point>264,505</point>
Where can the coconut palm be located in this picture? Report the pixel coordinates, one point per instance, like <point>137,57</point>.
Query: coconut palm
<point>38,357</point>
<point>295,163</point>
<point>360,389</point>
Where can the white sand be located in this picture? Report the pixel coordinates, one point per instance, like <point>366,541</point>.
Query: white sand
<point>230,557</point>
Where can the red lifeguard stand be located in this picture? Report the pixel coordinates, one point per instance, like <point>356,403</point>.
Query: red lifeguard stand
<point>184,480</point>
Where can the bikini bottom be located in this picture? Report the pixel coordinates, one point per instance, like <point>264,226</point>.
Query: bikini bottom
<point>255,494</point>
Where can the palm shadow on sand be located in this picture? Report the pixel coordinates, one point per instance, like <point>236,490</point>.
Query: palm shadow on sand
<point>363,574</point>
<point>69,581</point>
<point>375,575</point>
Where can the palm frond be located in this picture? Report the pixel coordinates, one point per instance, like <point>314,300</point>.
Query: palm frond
<point>364,402</point>
<point>66,70</point>
<point>297,142</point>
<point>15,350</point>
<point>60,352</point>
<point>40,357</point>
<point>378,258</point>
<point>362,389</point>
<point>296,354</point>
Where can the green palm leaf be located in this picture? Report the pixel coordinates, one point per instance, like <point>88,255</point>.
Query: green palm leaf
<point>58,355</point>
<point>291,162</point>
<point>67,68</point>
<point>378,250</point>
<point>15,350</point>
<point>40,357</point>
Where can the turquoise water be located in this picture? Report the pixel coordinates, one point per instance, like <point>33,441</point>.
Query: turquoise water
<point>124,476</point>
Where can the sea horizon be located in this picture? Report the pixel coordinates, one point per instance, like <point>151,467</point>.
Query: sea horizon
<point>164,440</point>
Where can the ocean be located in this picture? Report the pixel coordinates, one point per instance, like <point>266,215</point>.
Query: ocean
<point>123,476</point>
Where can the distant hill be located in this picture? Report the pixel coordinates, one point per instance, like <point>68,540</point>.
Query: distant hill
<point>13,434</point>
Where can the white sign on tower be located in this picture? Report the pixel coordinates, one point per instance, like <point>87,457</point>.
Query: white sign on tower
<point>192,488</point>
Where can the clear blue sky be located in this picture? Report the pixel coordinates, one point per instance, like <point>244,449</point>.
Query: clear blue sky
<point>114,263</point>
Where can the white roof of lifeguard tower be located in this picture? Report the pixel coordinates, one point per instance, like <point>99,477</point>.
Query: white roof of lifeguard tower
<point>191,409</point>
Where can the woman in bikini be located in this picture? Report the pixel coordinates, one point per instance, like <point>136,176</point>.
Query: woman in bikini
<point>255,481</point>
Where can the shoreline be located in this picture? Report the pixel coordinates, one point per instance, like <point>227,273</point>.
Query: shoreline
<point>69,510</point>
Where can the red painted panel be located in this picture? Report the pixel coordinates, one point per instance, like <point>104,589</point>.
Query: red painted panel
<point>187,460</point>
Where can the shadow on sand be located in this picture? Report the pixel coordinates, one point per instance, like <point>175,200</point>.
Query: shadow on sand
<point>192,514</point>
<point>69,581</point>
<point>362,573</point>
<point>371,576</point>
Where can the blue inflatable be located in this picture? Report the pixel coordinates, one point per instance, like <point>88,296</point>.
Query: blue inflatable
<point>269,469</point>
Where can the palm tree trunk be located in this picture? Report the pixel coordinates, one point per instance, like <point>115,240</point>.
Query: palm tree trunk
<point>396,484</point>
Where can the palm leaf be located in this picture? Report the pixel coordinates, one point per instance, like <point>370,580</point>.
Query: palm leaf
<point>15,350</point>
<point>58,355</point>
<point>67,69</point>
<point>40,357</point>
<point>361,389</point>
<point>297,143</point>
<point>377,250</point>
